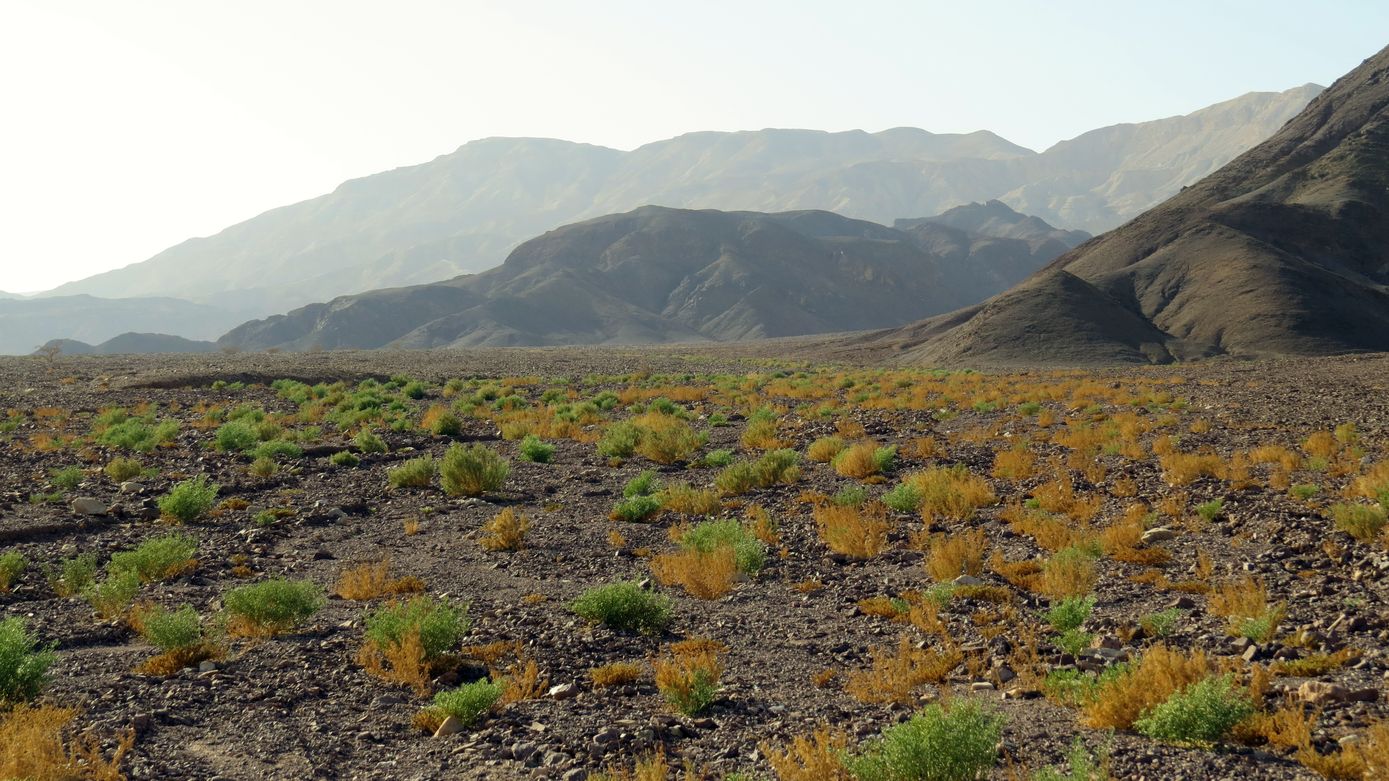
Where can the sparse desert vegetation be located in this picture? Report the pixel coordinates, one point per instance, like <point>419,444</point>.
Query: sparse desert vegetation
<point>698,567</point>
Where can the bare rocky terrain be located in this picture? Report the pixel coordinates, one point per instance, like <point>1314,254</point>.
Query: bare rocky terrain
<point>798,633</point>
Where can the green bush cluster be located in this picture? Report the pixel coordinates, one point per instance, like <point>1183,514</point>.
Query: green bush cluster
<point>189,500</point>
<point>624,606</point>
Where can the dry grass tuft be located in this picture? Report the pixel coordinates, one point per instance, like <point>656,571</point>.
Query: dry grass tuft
<point>523,680</point>
<point>703,574</point>
<point>816,757</point>
<point>824,449</point>
<point>178,659</point>
<point>858,461</point>
<point>506,531</point>
<point>895,674</point>
<point>1149,682</point>
<point>688,676</point>
<point>1186,468</point>
<point>860,532</point>
<point>687,500</point>
<point>36,743</point>
<point>953,555</point>
<point>1016,464</point>
<point>950,492</point>
<point>369,581</point>
<point>1244,603</point>
<point>615,674</point>
<point>403,663</point>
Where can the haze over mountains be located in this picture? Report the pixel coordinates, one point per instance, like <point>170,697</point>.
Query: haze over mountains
<point>464,211</point>
<point>26,323</point>
<point>661,275</point>
<point>1285,250</point>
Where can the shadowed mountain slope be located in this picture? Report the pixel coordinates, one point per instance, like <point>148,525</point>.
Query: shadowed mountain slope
<point>663,275</point>
<point>1285,250</point>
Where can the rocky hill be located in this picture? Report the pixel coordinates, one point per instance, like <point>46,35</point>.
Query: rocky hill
<point>1285,250</point>
<point>668,275</point>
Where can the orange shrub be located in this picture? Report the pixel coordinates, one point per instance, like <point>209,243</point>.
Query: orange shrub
<point>860,532</point>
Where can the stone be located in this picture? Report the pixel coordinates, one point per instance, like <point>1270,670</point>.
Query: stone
<point>562,691</point>
<point>967,580</point>
<point>1321,692</point>
<point>450,726</point>
<point>131,487</point>
<point>981,686</point>
<point>83,505</point>
<point>1158,534</point>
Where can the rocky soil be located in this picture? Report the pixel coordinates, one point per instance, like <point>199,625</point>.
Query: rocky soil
<point>300,706</point>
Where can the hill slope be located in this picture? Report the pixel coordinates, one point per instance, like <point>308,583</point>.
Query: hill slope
<point>464,211</point>
<point>1285,250</point>
<point>661,275</point>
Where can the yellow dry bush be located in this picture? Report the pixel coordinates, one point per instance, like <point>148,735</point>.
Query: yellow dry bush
<point>703,574</point>
<point>1016,464</point>
<point>372,580</point>
<point>860,532</point>
<point>1122,540</point>
<point>824,449</point>
<point>953,555</point>
<point>36,743</point>
<point>1321,444</point>
<point>1290,726</point>
<point>685,499</point>
<point>523,681</point>
<point>506,531</point>
<point>762,434</point>
<point>665,439</point>
<point>1149,682</point>
<point>1286,459</point>
<point>1070,572</point>
<point>1182,469</point>
<point>849,428</point>
<point>1373,483</point>
<point>402,663</point>
<point>895,674</point>
<point>814,757</point>
<point>1022,574</point>
<point>950,492</point>
<point>1244,602</point>
<point>858,460</point>
<point>762,525</point>
<point>1058,495</point>
<point>924,448</point>
<point>615,674</point>
<point>883,607</point>
<point>1364,760</point>
<point>690,669</point>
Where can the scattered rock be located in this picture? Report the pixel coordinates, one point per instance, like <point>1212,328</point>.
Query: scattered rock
<point>87,506</point>
<point>450,726</point>
<point>1158,534</point>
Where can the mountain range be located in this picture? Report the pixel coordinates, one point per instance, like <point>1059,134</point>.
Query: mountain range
<point>26,323</point>
<point>464,211</point>
<point>658,274</point>
<point>1283,251</point>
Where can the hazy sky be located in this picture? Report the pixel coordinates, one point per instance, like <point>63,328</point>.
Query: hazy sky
<point>129,126</point>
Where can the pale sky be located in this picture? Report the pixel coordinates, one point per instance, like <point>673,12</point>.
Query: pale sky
<point>129,126</point>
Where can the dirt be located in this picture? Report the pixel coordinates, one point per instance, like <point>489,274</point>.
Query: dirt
<point>300,705</point>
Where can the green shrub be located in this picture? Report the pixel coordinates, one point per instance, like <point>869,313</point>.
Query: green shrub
<point>1304,491</point>
<point>344,458</point>
<point>264,467</point>
<point>415,473</point>
<point>171,630</point>
<point>1073,641</point>
<point>1202,713</point>
<point>277,448</point>
<point>122,469</point>
<point>138,435</point>
<point>413,389</point>
<point>23,665</point>
<point>72,576</point>
<point>1161,623</point>
<point>369,442</point>
<point>959,744</point>
<point>718,458</point>
<point>777,466</point>
<point>535,450</point>
<point>1070,613</point>
<point>635,509</point>
<point>440,625</point>
<point>905,498</point>
<point>273,606</point>
<point>12,565</point>
<point>445,424</point>
<point>160,558</point>
<point>112,596</point>
<point>885,457</point>
<point>1209,511</point>
<point>853,496</point>
<point>67,478</point>
<point>644,484</point>
<point>1080,766</point>
<point>189,500</point>
<point>1361,521</point>
<point>619,440</point>
<point>471,701</point>
<point>236,437</point>
<point>472,470</point>
<point>749,552</point>
<point>624,606</point>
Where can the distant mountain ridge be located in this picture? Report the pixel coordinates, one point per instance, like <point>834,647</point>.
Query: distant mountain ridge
<point>669,275</point>
<point>130,344</point>
<point>464,211</point>
<point>1283,251</point>
<point>26,323</point>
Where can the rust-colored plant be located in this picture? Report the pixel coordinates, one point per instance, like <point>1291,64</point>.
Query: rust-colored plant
<point>36,742</point>
<point>894,674</point>
<point>372,580</point>
<point>859,532</point>
<point>1147,683</point>
<point>615,674</point>
<point>703,574</point>
<point>953,555</point>
<point>688,677</point>
<point>506,531</point>
<point>813,757</point>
